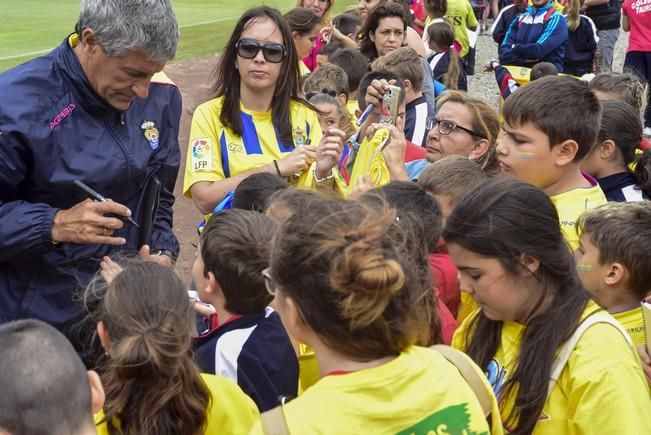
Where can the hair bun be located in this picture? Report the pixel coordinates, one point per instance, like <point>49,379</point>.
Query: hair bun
<point>364,276</point>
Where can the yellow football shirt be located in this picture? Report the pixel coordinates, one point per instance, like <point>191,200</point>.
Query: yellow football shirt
<point>461,15</point>
<point>602,388</point>
<point>418,392</point>
<point>216,153</point>
<point>351,107</point>
<point>571,204</point>
<point>467,306</point>
<point>231,412</point>
<point>633,322</point>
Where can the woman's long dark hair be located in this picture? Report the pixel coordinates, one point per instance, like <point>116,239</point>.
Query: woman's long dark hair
<point>288,86</point>
<point>506,219</point>
<point>383,10</point>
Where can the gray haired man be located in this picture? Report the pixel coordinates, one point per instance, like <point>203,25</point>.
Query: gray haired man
<point>88,111</point>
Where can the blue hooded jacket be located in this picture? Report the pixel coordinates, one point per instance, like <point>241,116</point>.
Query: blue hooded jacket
<point>55,129</point>
<point>537,35</point>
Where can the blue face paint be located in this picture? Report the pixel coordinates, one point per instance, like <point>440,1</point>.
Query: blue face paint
<point>584,267</point>
<point>524,155</point>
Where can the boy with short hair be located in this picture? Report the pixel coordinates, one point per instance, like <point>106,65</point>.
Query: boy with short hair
<point>249,343</point>
<point>324,53</point>
<point>348,24</point>
<point>355,66</point>
<point>406,64</point>
<point>328,79</point>
<point>448,180</point>
<point>45,386</point>
<point>614,260</point>
<point>549,126</point>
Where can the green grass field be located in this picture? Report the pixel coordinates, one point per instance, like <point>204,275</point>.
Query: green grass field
<point>32,27</point>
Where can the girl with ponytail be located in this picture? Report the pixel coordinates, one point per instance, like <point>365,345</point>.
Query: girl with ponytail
<point>347,282</point>
<point>445,62</point>
<point>144,318</point>
<point>616,152</point>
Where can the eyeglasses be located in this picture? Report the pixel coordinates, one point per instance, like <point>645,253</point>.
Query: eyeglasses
<point>446,127</point>
<point>272,52</point>
<point>269,282</point>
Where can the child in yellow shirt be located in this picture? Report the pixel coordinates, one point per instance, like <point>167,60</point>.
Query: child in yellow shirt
<point>550,126</point>
<point>505,239</point>
<point>614,260</point>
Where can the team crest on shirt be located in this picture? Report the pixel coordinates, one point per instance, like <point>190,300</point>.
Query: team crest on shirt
<point>202,154</point>
<point>300,137</point>
<point>151,133</point>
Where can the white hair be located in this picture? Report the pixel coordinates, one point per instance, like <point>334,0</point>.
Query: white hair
<point>121,25</point>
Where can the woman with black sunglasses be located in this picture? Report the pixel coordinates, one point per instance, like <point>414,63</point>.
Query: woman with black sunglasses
<point>257,122</point>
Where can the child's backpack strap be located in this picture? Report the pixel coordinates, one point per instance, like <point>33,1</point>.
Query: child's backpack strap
<point>469,374</point>
<point>566,349</point>
<point>274,422</point>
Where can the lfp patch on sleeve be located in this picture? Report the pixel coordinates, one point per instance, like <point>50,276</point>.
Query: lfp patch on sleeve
<point>202,154</point>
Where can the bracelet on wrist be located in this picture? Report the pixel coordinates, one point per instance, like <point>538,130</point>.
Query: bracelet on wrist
<point>277,168</point>
<point>322,180</point>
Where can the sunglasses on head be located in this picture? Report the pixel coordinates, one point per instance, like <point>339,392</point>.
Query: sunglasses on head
<point>272,52</point>
<point>330,92</point>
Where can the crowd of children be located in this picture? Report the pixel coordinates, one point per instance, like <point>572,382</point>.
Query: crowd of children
<point>342,253</point>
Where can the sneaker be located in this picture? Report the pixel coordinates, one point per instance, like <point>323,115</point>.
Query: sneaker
<point>647,132</point>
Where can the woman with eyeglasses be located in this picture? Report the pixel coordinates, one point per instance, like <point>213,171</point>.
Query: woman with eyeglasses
<point>350,288</point>
<point>464,126</point>
<point>257,122</point>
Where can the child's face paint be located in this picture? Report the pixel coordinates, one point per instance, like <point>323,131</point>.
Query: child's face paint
<point>524,152</point>
<point>589,268</point>
<point>524,155</point>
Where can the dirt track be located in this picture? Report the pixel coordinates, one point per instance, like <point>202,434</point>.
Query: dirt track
<point>193,77</point>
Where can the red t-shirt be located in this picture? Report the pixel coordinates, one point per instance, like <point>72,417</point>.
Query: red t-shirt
<point>446,279</point>
<point>639,15</point>
<point>448,322</point>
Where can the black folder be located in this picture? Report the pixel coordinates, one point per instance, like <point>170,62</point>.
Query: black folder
<point>149,210</point>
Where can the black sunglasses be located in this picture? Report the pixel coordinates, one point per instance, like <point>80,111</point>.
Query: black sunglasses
<point>446,127</point>
<point>272,52</point>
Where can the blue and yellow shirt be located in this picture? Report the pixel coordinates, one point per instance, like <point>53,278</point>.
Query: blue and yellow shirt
<point>216,153</point>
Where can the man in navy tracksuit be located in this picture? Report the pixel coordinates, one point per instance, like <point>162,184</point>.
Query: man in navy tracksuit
<point>87,111</point>
<point>539,34</point>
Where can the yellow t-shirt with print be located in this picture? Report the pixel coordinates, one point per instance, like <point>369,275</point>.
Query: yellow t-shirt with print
<point>633,322</point>
<point>419,392</point>
<point>571,204</point>
<point>602,387</point>
<point>216,153</point>
<point>231,412</point>
<point>461,16</point>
